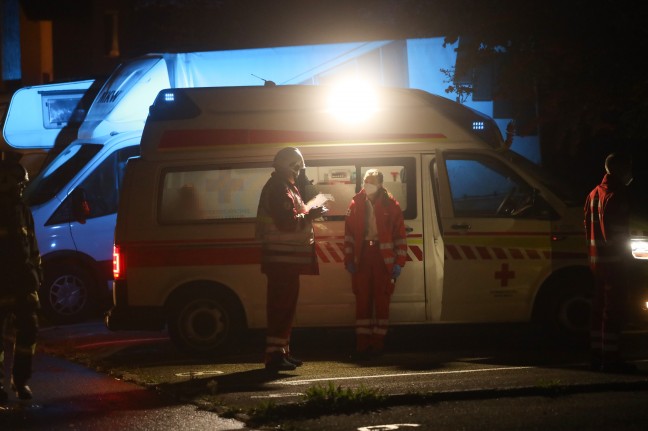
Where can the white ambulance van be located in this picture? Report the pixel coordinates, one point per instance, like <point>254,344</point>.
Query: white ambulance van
<point>491,238</point>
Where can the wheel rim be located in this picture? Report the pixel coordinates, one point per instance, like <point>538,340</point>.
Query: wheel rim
<point>575,314</point>
<point>203,324</point>
<point>68,295</point>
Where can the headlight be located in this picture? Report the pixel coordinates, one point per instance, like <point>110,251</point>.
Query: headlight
<point>639,248</point>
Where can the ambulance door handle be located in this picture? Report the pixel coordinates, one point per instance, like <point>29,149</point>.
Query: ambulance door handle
<point>463,226</point>
<point>409,229</point>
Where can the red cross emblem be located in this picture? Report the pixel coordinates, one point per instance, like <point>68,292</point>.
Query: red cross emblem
<point>504,275</point>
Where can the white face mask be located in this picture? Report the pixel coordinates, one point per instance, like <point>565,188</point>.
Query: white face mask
<point>370,189</point>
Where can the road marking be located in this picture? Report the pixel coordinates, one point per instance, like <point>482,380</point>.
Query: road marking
<point>381,376</point>
<point>198,373</point>
<point>283,395</point>
<point>116,342</point>
<point>387,427</point>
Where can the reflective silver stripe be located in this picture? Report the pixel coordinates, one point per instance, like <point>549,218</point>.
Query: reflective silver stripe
<point>400,241</point>
<point>389,260</point>
<point>386,245</point>
<point>401,252</point>
<point>25,350</point>
<point>288,259</point>
<point>288,247</point>
<point>380,331</point>
<point>599,259</point>
<point>301,237</point>
<point>272,349</point>
<point>382,322</point>
<point>276,341</point>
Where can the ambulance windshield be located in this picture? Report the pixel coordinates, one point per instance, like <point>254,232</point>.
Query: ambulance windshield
<point>566,192</point>
<point>51,180</point>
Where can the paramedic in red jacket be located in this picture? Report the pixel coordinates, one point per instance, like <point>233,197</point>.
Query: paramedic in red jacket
<point>608,235</point>
<point>288,249</point>
<point>375,250</point>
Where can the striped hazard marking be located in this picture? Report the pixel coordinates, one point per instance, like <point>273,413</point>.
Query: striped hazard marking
<point>333,252</point>
<point>471,252</point>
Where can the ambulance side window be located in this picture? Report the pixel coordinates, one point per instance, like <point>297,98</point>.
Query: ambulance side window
<point>211,194</point>
<point>484,187</point>
<point>342,179</point>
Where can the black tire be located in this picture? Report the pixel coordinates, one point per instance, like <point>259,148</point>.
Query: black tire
<point>204,321</point>
<point>572,309</point>
<point>68,294</point>
<point>563,307</point>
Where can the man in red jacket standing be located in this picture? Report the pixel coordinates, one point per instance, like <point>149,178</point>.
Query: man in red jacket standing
<point>375,250</point>
<point>608,235</point>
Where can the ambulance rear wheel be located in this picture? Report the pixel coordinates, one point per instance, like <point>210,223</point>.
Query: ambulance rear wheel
<point>204,321</point>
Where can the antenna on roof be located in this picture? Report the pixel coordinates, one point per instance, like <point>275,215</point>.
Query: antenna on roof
<point>266,83</point>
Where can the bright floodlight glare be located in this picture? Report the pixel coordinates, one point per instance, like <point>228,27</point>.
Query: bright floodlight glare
<point>352,101</point>
<point>639,248</point>
<point>169,97</point>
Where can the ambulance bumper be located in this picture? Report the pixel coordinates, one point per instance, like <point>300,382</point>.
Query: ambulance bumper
<point>135,318</point>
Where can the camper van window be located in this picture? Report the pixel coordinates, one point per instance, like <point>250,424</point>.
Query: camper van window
<point>484,187</point>
<point>49,182</point>
<point>100,189</point>
<point>103,185</point>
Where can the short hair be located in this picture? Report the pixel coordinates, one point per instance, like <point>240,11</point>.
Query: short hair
<point>373,173</point>
<point>617,163</point>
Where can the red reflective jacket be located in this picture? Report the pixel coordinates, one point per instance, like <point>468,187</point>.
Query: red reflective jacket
<point>390,225</point>
<point>607,229</point>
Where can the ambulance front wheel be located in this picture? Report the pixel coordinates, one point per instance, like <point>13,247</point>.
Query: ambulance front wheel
<point>564,310</point>
<point>204,320</point>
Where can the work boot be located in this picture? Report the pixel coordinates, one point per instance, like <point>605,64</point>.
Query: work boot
<point>278,362</point>
<point>295,361</point>
<point>23,392</point>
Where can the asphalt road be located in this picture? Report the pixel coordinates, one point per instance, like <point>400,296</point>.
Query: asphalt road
<point>463,374</point>
<point>68,396</point>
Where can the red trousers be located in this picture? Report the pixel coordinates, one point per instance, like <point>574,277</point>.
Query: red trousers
<point>282,295</point>
<point>373,288</point>
<point>608,309</point>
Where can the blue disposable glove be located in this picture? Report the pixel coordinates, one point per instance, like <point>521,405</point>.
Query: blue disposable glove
<point>351,267</point>
<point>396,272</point>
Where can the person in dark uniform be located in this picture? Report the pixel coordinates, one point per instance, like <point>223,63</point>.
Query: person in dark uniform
<point>284,227</point>
<point>20,275</point>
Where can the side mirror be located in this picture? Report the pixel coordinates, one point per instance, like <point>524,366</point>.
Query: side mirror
<point>80,205</point>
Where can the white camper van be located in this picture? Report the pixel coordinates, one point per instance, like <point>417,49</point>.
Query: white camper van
<point>490,238</point>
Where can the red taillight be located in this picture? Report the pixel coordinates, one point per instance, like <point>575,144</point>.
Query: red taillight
<point>117,263</point>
